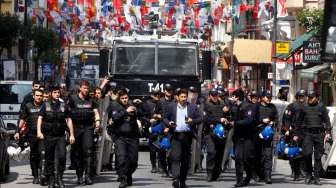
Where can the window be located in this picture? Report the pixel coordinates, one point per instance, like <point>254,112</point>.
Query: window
<point>174,60</point>
<point>136,59</point>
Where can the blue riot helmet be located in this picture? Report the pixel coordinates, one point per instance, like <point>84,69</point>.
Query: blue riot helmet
<point>165,143</point>
<point>219,131</point>
<point>292,151</point>
<point>156,129</point>
<point>281,146</point>
<point>266,133</point>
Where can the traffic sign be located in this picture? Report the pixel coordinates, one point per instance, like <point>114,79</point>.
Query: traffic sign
<point>282,47</point>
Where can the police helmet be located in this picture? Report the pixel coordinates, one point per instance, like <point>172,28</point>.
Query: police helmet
<point>300,93</point>
<point>165,143</point>
<point>292,151</point>
<point>168,87</point>
<point>266,93</point>
<point>192,89</point>
<point>312,94</point>
<point>219,131</point>
<point>266,133</point>
<point>254,93</point>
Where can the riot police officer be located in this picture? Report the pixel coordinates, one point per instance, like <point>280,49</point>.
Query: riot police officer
<point>55,116</point>
<point>214,116</point>
<point>316,128</point>
<point>292,129</point>
<point>86,119</point>
<point>242,138</point>
<point>153,117</point>
<point>267,117</point>
<point>126,137</point>
<point>28,116</point>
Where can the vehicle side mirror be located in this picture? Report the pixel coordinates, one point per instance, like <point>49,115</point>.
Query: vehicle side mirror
<point>103,62</point>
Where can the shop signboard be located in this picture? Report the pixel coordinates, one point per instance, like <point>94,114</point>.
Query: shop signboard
<point>311,52</point>
<point>282,47</point>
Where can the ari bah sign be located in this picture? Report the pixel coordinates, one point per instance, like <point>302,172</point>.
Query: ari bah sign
<point>311,52</point>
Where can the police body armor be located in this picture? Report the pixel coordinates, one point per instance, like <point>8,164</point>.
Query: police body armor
<point>54,121</point>
<point>313,116</point>
<point>82,111</point>
<point>32,118</point>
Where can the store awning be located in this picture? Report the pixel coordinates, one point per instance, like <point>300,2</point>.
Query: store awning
<point>309,73</point>
<point>298,43</point>
<point>253,51</point>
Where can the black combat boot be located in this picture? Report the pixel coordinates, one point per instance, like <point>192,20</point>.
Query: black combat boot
<point>35,175</point>
<point>240,182</point>
<point>59,181</point>
<point>129,180</point>
<point>123,181</point>
<point>88,176</point>
<point>80,179</point>
<point>51,182</point>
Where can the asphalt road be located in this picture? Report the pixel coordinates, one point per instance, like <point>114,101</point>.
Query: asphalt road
<point>20,178</point>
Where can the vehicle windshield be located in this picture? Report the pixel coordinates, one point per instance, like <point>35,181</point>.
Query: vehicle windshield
<point>136,59</point>
<point>172,59</point>
<point>13,93</point>
<point>175,60</point>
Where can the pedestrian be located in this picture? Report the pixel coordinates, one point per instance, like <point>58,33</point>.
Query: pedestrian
<point>181,119</point>
<point>242,122</point>
<point>28,116</point>
<point>126,137</point>
<point>52,121</point>
<point>86,121</point>
<point>316,129</point>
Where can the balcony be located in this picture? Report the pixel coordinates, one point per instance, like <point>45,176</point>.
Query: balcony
<point>294,4</point>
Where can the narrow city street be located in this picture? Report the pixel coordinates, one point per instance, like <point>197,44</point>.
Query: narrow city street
<point>20,178</point>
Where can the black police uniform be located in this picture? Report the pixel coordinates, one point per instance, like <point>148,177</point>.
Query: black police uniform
<point>265,147</point>
<point>243,142</point>
<point>83,121</point>
<point>30,113</point>
<point>292,123</point>
<point>214,145</point>
<point>125,135</point>
<point>164,160</point>
<point>315,123</point>
<point>54,115</point>
<point>151,107</point>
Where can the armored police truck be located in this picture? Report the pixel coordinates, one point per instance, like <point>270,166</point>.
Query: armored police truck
<point>147,63</point>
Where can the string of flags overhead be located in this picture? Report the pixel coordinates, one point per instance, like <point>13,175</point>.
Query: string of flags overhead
<point>96,19</point>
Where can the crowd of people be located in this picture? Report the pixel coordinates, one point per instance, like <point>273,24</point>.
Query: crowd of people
<point>171,120</point>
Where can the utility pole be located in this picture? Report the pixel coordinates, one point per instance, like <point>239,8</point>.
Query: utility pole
<point>25,43</point>
<point>232,65</point>
<point>274,39</point>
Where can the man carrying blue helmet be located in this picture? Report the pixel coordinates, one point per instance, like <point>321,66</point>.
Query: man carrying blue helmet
<point>217,115</point>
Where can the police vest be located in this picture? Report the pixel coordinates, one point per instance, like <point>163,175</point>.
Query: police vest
<point>313,116</point>
<point>54,120</point>
<point>33,113</point>
<point>82,111</point>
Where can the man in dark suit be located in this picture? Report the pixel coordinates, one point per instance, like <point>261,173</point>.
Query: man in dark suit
<point>181,119</point>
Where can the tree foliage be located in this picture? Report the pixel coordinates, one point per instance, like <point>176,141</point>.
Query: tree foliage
<point>10,26</point>
<point>311,19</point>
<point>46,43</point>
